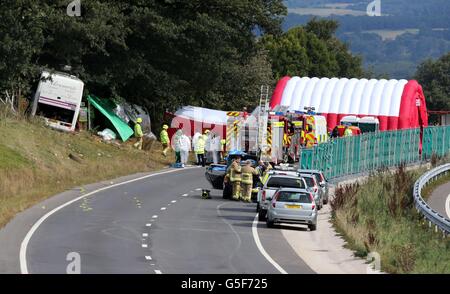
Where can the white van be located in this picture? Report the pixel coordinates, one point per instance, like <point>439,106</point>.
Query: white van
<point>366,124</point>
<point>58,99</point>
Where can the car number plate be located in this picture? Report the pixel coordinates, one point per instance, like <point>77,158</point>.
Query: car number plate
<point>293,206</point>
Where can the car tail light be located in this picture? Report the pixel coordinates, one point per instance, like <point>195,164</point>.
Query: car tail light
<point>322,179</point>
<point>312,200</point>
<point>263,195</point>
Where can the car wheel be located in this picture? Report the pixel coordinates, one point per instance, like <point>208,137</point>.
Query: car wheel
<point>262,215</point>
<point>270,224</point>
<point>312,227</point>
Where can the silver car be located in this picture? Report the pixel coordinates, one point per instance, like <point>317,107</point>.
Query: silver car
<point>295,206</point>
<point>323,183</point>
<point>314,187</point>
<point>274,182</point>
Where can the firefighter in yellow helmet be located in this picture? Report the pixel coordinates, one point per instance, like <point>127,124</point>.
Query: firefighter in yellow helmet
<point>138,134</point>
<point>235,177</point>
<point>165,141</point>
<point>247,181</point>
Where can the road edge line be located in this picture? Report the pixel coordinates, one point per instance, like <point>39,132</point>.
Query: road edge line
<point>261,248</point>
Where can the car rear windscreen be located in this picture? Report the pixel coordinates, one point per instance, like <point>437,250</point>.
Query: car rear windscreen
<point>278,182</point>
<point>310,182</point>
<point>285,196</point>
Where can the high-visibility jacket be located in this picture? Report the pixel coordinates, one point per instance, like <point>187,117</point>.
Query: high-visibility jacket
<point>200,147</point>
<point>138,131</point>
<point>247,174</point>
<point>264,178</point>
<point>310,140</point>
<point>164,136</point>
<point>348,132</point>
<point>235,172</point>
<point>222,144</point>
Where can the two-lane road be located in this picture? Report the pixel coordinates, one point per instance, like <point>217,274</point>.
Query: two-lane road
<point>159,224</point>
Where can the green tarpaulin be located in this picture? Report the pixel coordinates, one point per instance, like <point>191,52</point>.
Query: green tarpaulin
<point>105,106</point>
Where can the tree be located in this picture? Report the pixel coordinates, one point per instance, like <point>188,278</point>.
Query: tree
<point>160,54</point>
<point>21,39</point>
<point>434,77</point>
<point>312,50</point>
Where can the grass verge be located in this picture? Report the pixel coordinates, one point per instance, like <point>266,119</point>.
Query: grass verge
<point>379,216</point>
<point>37,162</point>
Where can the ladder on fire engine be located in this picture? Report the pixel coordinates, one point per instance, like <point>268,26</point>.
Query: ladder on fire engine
<point>263,118</point>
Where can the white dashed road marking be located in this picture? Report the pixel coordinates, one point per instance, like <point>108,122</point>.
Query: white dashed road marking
<point>158,272</point>
<point>26,240</point>
<point>148,225</point>
<point>198,189</point>
<point>144,245</point>
<point>185,195</point>
<point>144,235</point>
<point>155,216</point>
<point>163,208</point>
<point>148,257</point>
<point>173,201</point>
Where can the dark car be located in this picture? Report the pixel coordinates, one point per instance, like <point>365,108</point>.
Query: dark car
<point>215,173</point>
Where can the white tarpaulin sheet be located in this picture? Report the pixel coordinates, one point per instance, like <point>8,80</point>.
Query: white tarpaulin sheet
<point>204,115</point>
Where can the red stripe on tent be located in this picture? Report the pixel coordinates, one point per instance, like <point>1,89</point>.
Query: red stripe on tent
<point>409,111</point>
<point>278,92</point>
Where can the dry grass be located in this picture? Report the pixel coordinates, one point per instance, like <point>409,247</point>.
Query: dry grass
<point>379,216</point>
<point>35,163</point>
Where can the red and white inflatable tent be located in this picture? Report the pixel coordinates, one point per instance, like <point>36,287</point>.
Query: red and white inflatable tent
<point>398,104</point>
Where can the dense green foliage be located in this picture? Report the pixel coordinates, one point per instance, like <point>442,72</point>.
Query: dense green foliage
<point>160,54</point>
<point>166,53</point>
<point>434,76</point>
<point>312,50</point>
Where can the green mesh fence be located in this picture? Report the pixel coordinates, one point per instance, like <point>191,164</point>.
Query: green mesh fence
<point>372,151</point>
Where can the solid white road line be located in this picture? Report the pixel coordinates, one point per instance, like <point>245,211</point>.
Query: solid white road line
<point>158,272</point>
<point>26,240</point>
<point>261,248</point>
<point>447,206</point>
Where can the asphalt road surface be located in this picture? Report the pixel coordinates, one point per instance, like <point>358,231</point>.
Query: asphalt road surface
<point>440,200</point>
<point>160,225</point>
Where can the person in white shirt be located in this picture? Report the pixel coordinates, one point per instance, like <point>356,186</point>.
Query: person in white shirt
<point>185,147</point>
